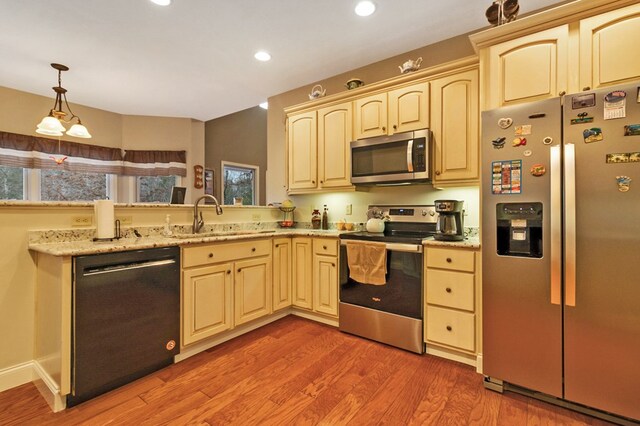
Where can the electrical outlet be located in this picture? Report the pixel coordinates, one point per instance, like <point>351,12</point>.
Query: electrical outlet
<point>125,220</point>
<point>348,210</point>
<point>255,217</point>
<point>84,220</point>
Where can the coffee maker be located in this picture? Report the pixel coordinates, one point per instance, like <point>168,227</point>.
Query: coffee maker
<point>450,225</point>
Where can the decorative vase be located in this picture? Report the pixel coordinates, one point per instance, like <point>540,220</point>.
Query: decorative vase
<point>375,225</point>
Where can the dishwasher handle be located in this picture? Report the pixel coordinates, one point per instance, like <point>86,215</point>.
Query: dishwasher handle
<point>126,267</point>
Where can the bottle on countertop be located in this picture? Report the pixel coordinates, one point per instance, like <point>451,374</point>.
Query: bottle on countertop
<point>325,218</point>
<point>167,226</point>
<point>316,219</point>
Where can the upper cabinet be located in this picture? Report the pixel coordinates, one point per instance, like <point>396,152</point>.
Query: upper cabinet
<point>400,110</point>
<point>302,154</point>
<point>319,157</point>
<point>454,124</point>
<point>607,45</point>
<point>574,47</point>
<point>529,68</point>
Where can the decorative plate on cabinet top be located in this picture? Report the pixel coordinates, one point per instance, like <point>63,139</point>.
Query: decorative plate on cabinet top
<point>354,83</point>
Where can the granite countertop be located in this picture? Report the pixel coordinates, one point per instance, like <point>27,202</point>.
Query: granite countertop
<point>469,242</point>
<point>87,246</point>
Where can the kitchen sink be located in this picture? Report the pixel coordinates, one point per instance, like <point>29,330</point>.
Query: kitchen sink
<point>224,233</point>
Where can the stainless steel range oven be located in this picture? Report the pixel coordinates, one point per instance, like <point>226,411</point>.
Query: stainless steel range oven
<point>389,312</point>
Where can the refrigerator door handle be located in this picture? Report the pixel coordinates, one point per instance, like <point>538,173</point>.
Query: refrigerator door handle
<point>556,225</point>
<point>570,224</point>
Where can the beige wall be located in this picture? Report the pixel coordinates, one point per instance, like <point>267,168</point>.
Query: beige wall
<point>435,54</point>
<point>20,112</point>
<point>239,138</point>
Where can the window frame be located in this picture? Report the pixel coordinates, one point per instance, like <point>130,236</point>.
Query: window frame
<point>256,180</point>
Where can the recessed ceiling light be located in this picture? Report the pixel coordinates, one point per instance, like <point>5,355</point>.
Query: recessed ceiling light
<point>264,105</point>
<point>365,8</point>
<point>262,56</point>
<point>162,2</point>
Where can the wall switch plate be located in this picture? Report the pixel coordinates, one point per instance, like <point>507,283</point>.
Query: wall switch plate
<point>348,210</point>
<point>255,217</point>
<point>83,220</point>
<point>125,220</point>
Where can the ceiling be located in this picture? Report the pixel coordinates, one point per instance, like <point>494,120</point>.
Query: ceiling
<point>194,58</point>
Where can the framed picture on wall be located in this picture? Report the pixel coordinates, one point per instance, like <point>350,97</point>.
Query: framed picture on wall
<point>209,177</point>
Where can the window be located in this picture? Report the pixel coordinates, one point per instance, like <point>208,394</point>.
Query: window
<point>62,185</point>
<point>155,189</point>
<point>11,183</point>
<point>239,181</point>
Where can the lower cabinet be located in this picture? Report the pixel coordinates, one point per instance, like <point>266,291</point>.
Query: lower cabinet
<point>451,296</point>
<point>207,301</point>
<point>224,285</point>
<point>315,274</point>
<point>282,273</point>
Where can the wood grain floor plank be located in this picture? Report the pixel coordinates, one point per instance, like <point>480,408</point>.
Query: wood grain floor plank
<point>297,372</point>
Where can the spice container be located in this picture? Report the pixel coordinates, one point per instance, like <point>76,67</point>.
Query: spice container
<point>316,219</point>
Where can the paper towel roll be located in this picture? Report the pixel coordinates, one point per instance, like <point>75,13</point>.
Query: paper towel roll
<point>104,218</point>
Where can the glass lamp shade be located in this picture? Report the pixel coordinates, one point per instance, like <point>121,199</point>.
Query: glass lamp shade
<point>50,126</point>
<point>79,131</point>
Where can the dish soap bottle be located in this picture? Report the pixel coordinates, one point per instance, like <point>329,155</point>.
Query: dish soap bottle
<point>316,219</point>
<point>167,226</point>
<point>325,218</point>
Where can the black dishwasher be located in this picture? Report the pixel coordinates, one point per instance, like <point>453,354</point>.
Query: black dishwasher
<point>126,318</point>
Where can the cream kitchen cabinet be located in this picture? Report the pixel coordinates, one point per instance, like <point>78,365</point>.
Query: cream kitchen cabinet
<point>454,126</point>
<point>528,68</point>
<point>224,285</point>
<point>325,276</point>
<point>282,264</point>
<point>302,277</point>
<point>608,48</point>
<point>319,155</point>
<point>207,302</point>
<point>451,299</point>
<point>302,151</point>
<point>399,110</point>
<point>315,274</point>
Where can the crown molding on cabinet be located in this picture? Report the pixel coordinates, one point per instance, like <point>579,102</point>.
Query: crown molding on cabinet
<point>430,73</point>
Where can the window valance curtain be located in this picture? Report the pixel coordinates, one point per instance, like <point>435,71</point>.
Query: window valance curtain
<point>37,153</point>
<point>155,163</point>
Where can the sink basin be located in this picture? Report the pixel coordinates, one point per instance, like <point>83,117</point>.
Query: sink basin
<point>224,233</point>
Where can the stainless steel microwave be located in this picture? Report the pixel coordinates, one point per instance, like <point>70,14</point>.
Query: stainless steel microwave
<point>399,158</point>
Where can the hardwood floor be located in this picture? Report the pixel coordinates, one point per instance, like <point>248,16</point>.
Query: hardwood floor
<point>298,372</point>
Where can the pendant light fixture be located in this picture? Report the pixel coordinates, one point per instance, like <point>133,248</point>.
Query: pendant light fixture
<point>51,124</point>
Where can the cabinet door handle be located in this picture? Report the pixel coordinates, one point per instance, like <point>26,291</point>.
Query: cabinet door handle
<point>586,88</point>
<point>324,247</point>
<point>384,129</point>
<point>239,270</point>
<point>333,265</point>
<point>448,290</point>
<point>321,181</point>
<point>228,271</point>
<point>253,249</point>
<point>449,328</point>
<point>562,93</point>
<point>437,172</point>
<point>449,260</point>
<point>210,255</point>
<point>395,127</point>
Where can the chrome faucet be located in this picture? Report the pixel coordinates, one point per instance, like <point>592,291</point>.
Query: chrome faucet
<point>198,222</point>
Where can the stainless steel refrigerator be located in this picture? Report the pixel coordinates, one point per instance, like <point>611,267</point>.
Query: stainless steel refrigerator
<point>561,248</point>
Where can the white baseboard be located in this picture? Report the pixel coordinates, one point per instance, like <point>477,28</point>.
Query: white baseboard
<point>479,366</point>
<point>16,375</point>
<point>48,388</point>
<point>452,355</point>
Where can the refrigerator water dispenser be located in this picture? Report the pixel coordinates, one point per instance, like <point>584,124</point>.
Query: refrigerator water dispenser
<point>519,229</point>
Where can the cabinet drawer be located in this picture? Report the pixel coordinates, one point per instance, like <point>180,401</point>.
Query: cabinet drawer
<point>451,289</point>
<point>325,246</point>
<point>224,252</point>
<point>456,260</point>
<point>451,328</point>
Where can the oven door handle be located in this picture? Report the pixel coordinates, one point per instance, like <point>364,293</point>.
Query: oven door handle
<point>409,248</point>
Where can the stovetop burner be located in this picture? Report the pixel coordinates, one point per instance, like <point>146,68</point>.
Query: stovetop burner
<point>405,224</point>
